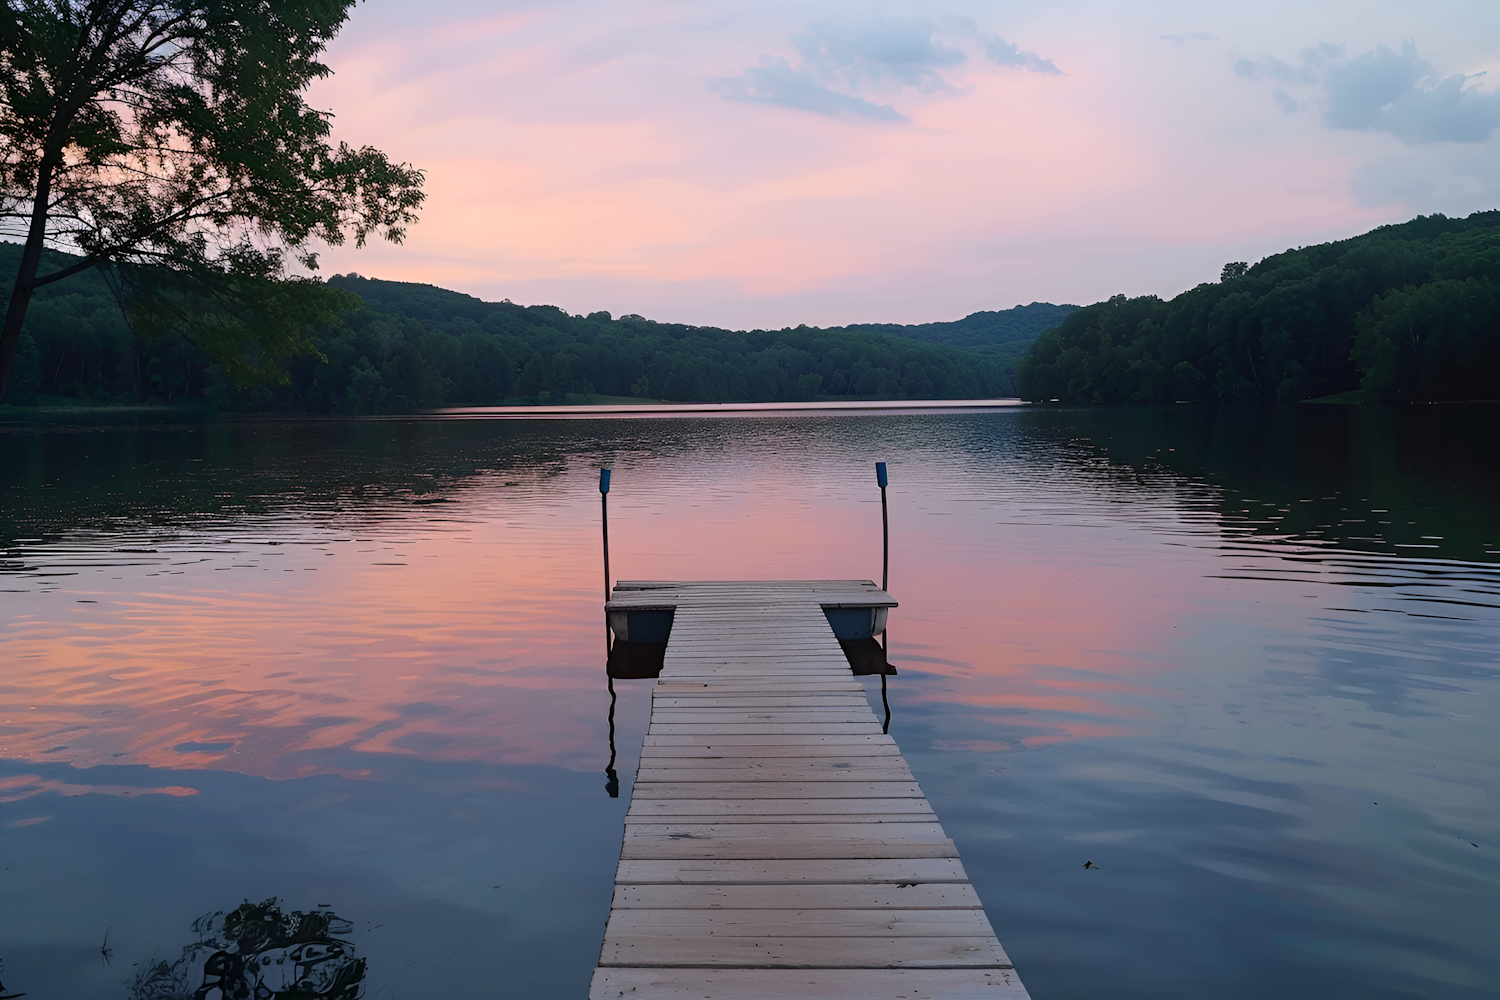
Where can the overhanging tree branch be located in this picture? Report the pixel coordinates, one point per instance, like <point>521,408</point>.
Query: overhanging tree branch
<point>67,272</point>
<point>176,132</point>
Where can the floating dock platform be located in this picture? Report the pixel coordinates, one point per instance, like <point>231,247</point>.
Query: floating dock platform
<point>777,846</point>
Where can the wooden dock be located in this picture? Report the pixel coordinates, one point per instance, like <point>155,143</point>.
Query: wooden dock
<point>777,845</point>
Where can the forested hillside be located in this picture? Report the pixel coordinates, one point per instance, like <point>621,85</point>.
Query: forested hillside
<point>990,332</point>
<point>1004,334</point>
<point>1405,312</point>
<point>415,346</point>
<point>545,354</point>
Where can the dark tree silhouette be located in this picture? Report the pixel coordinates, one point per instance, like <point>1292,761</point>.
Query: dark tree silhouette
<point>176,133</point>
<point>259,951</point>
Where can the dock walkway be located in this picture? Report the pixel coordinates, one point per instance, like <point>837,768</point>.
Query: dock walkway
<point>777,845</point>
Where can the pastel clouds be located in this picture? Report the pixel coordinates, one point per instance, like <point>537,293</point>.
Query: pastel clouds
<point>1385,91</point>
<point>772,164</point>
<point>836,59</point>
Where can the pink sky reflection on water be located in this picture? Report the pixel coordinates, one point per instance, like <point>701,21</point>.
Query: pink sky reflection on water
<point>471,648</point>
<point>1044,626</point>
<point>472,629</point>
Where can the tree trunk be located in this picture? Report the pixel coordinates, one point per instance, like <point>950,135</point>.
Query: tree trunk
<point>31,259</point>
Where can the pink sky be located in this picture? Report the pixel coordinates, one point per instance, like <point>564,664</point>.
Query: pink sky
<point>767,164</point>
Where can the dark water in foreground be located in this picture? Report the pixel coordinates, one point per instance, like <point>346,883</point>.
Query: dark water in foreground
<point>1246,664</point>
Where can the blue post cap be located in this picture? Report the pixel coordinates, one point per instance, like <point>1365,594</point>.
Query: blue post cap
<point>603,480</point>
<point>880,476</point>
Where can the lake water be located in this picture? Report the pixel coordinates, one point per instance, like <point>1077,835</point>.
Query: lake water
<point>1246,663</point>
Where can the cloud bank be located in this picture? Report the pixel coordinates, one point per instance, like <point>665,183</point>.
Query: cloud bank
<point>1382,90</point>
<point>1003,53</point>
<point>776,81</point>
<point>839,60</point>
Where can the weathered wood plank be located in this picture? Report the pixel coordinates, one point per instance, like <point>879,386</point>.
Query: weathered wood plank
<point>741,695</point>
<point>762,728</point>
<point>784,637</point>
<point>758,685</point>
<point>788,841</point>
<point>725,683</point>
<point>722,740</point>
<point>775,620</point>
<point>727,713</point>
<point>730,716</point>
<point>927,831</point>
<point>766,772</point>
<point>797,819</point>
<point>791,871</point>
<point>780,848</point>
<point>747,670</point>
<point>767,582</point>
<point>779,683</point>
<point>798,712</point>
<point>767,668</point>
<point>762,754</point>
<point>703,751</point>
<point>786,846</point>
<point>762,922</point>
<point>806,984</point>
<point>808,639</point>
<point>760,699</point>
<point>777,790</point>
<point>750,665</point>
<point>750,685</point>
<point>767,765</point>
<point>710,672</point>
<point>670,949</point>
<point>753,650</point>
<point>722,809</point>
<point>753,641</point>
<point>931,896</point>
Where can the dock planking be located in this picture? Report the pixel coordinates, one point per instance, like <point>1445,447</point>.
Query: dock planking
<point>777,844</point>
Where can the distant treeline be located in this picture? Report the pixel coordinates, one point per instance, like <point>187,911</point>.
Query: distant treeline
<point>1406,312</point>
<point>416,346</point>
<point>991,332</point>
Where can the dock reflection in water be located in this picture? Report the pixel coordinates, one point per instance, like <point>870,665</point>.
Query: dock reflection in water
<point>612,777</point>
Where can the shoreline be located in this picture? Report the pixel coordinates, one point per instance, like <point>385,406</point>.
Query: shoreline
<point>708,409</point>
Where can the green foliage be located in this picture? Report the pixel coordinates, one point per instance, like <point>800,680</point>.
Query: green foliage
<point>176,131</point>
<point>1004,335</point>
<point>1405,311</point>
<point>990,332</point>
<point>248,325</point>
<point>174,134</point>
<point>416,346</point>
<point>1437,341</point>
<point>432,347</point>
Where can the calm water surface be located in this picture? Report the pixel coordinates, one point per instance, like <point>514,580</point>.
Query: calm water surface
<point>1247,664</point>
